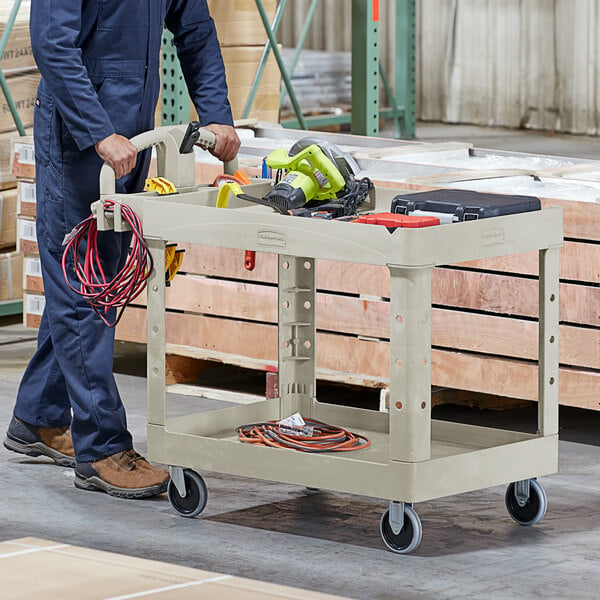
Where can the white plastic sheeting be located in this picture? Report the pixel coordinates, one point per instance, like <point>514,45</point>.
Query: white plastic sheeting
<point>545,187</point>
<point>485,162</point>
<point>322,79</point>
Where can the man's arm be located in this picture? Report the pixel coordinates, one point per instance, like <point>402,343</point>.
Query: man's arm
<point>55,26</point>
<point>202,64</point>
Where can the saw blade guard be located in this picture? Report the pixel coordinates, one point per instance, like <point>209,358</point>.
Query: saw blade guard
<point>346,164</point>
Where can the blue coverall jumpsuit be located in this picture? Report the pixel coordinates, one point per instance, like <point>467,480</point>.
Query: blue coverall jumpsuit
<point>99,61</point>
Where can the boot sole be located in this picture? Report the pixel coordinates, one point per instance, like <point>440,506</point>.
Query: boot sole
<point>38,449</point>
<point>95,484</point>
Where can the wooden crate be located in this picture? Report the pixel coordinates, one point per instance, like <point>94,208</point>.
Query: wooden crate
<point>484,331</point>
<point>484,327</point>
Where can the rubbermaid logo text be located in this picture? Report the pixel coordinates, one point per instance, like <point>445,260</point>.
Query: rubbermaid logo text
<point>491,237</point>
<point>271,238</point>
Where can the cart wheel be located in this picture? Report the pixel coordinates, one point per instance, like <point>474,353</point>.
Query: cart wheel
<point>409,538</point>
<point>533,510</point>
<point>196,495</point>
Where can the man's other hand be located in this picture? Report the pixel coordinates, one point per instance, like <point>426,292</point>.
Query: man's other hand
<point>118,152</point>
<point>228,142</point>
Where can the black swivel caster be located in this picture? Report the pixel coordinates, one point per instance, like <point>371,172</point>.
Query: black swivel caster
<point>405,539</point>
<point>196,494</point>
<point>526,502</point>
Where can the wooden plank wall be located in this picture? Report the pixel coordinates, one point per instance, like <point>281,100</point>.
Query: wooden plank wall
<point>511,63</point>
<point>515,63</point>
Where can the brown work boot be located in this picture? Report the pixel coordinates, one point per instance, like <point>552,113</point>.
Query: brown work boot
<point>31,440</point>
<point>124,474</point>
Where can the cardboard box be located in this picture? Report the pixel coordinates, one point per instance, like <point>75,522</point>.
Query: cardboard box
<point>7,179</point>
<point>238,22</point>
<point>32,275</point>
<point>8,218</point>
<point>22,157</point>
<point>26,199</point>
<point>11,267</point>
<point>27,236</point>
<point>33,308</point>
<point>23,89</point>
<point>242,37</point>
<point>18,54</point>
<point>241,63</point>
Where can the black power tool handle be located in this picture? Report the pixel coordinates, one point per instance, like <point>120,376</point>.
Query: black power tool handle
<point>190,138</point>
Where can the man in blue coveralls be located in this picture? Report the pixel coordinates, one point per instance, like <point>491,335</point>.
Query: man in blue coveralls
<point>99,61</point>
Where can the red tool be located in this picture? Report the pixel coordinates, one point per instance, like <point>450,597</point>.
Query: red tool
<point>393,220</point>
<point>250,260</point>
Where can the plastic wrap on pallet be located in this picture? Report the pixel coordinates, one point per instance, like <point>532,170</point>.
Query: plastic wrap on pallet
<point>545,187</point>
<point>484,162</point>
<point>595,176</point>
<point>267,145</point>
<point>320,79</point>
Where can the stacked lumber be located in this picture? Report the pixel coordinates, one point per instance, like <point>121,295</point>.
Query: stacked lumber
<point>484,331</point>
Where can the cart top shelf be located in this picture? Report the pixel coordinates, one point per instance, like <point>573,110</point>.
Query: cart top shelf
<point>192,217</point>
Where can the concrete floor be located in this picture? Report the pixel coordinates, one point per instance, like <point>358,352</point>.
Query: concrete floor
<point>326,542</point>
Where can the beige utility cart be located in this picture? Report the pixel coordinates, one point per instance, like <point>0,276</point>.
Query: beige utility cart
<point>412,458</point>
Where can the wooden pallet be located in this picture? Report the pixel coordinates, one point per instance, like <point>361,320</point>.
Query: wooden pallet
<point>484,330</point>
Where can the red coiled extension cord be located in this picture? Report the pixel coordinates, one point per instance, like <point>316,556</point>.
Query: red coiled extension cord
<point>325,438</point>
<point>127,284</point>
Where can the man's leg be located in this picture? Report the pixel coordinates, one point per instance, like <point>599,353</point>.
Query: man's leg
<point>82,346</point>
<point>122,472</point>
<point>42,413</point>
<point>43,380</point>
<point>72,367</point>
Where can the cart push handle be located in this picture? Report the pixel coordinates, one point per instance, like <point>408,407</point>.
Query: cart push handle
<point>171,163</point>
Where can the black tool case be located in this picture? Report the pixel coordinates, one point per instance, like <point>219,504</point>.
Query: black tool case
<point>462,205</point>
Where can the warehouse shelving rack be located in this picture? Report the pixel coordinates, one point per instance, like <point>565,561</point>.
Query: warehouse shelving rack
<point>11,307</point>
<point>366,72</point>
<point>412,458</point>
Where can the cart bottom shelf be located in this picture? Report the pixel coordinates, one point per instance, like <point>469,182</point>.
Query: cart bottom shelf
<point>463,457</point>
